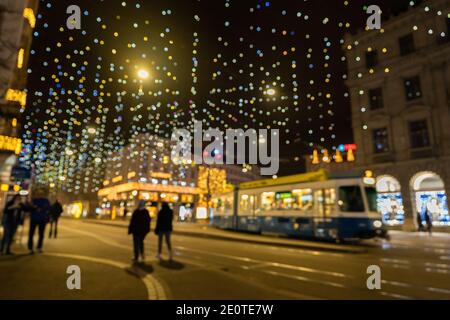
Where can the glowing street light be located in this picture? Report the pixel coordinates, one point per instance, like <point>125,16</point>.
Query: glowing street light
<point>91,130</point>
<point>271,92</point>
<point>143,74</point>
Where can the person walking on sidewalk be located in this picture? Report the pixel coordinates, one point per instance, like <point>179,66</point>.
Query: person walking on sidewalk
<point>419,222</point>
<point>38,219</point>
<point>12,217</point>
<point>55,212</point>
<point>139,227</point>
<point>164,228</point>
<point>428,221</point>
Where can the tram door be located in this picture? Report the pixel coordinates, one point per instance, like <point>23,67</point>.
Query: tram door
<point>323,206</point>
<point>253,224</point>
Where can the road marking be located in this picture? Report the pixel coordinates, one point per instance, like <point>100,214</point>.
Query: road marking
<point>396,296</point>
<point>92,235</point>
<point>150,282</point>
<point>270,263</point>
<point>440,290</point>
<point>396,283</point>
<point>154,289</point>
<point>300,278</point>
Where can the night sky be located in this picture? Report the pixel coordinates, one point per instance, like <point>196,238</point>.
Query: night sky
<point>214,61</point>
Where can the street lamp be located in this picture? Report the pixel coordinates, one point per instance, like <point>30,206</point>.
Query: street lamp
<point>143,74</point>
<point>271,92</point>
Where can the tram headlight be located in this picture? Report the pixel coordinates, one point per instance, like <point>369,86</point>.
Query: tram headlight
<point>377,224</point>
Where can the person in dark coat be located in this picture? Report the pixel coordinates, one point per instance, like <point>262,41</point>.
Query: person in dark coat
<point>164,228</point>
<point>39,217</point>
<point>419,221</point>
<point>55,212</point>
<point>12,217</point>
<point>428,221</point>
<point>139,227</point>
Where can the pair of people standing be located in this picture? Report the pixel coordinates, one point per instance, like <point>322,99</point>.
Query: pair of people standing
<point>140,226</point>
<point>40,211</point>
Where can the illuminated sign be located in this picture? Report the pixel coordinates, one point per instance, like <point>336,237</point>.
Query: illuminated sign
<point>28,14</point>
<point>16,96</point>
<point>283,195</point>
<point>161,175</point>
<point>10,144</point>
<point>20,58</point>
<point>347,147</point>
<point>117,179</point>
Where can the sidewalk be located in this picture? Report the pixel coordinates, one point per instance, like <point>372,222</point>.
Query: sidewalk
<point>207,231</point>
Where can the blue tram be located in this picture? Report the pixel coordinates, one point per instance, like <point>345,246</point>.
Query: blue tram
<point>311,205</point>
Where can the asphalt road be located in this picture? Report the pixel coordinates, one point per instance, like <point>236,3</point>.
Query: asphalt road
<point>412,267</point>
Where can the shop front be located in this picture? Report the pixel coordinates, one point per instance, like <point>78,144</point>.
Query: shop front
<point>120,201</point>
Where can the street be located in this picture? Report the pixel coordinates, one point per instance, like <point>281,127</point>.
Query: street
<point>412,266</point>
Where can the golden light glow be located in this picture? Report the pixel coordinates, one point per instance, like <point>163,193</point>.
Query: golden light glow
<point>10,144</point>
<point>117,179</point>
<point>75,209</point>
<point>271,92</point>
<point>315,159</point>
<point>28,14</point>
<point>17,96</point>
<point>148,187</point>
<point>143,74</point>
<point>350,156</point>
<point>20,56</point>
<point>4,187</point>
<point>161,175</point>
<point>338,157</point>
<point>91,130</point>
<point>368,174</point>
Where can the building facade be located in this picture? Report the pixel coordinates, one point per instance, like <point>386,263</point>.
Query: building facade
<point>17,20</point>
<point>399,84</point>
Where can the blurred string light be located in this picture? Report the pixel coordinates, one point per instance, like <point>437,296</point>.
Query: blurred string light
<point>93,79</point>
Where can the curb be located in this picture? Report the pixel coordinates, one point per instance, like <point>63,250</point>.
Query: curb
<point>324,247</point>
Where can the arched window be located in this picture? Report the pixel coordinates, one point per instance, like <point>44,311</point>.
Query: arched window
<point>390,202</point>
<point>429,197</point>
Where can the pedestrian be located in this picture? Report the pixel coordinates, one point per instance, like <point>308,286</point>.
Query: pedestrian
<point>164,228</point>
<point>428,221</point>
<point>38,219</point>
<point>419,222</point>
<point>12,217</point>
<point>139,227</point>
<point>55,212</point>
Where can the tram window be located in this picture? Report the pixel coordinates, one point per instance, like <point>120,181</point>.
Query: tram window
<point>303,199</point>
<point>350,199</point>
<point>267,201</point>
<point>330,198</point>
<point>324,201</point>
<point>243,203</point>
<point>371,194</point>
